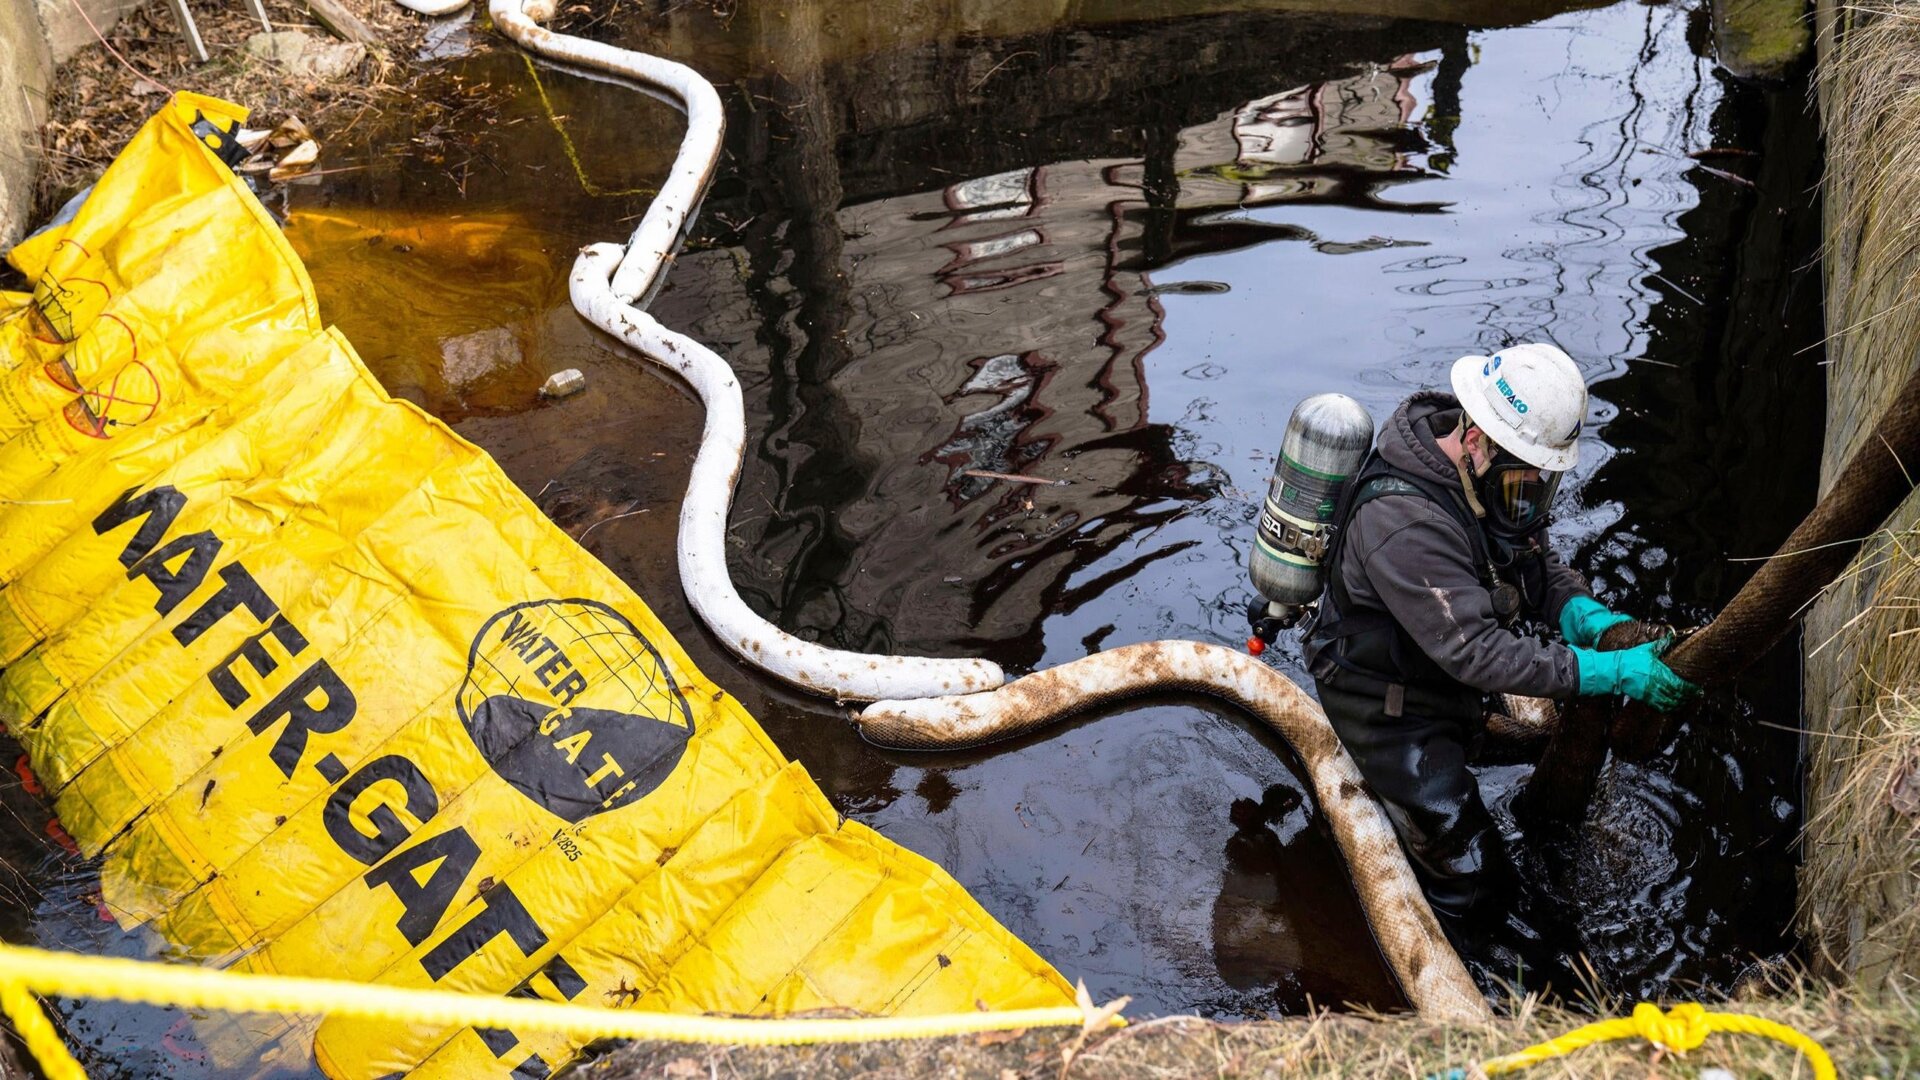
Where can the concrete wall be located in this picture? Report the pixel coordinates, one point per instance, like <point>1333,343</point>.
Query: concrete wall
<point>35,37</point>
<point>67,31</point>
<point>1860,876</point>
<point>25,68</point>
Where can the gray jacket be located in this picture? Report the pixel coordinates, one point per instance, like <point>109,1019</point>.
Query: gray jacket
<point>1412,559</point>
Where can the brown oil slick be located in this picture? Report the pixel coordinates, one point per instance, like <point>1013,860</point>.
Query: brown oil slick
<point>444,307</point>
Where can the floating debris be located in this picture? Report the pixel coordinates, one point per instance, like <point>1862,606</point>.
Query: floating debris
<point>1187,288</point>
<point>564,384</point>
<point>1725,175</point>
<point>1371,243</point>
<point>1012,478</point>
<point>295,162</point>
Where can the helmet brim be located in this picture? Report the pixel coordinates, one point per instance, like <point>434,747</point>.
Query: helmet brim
<point>1473,398</point>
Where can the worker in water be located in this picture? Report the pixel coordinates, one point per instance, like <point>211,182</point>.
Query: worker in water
<point>1438,565</point>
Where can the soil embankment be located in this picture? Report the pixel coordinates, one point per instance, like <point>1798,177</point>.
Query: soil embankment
<point>91,104</point>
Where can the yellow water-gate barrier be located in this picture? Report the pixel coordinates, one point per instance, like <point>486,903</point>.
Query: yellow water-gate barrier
<point>330,697</point>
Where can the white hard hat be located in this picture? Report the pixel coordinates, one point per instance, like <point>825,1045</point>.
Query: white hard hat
<point>1530,398</point>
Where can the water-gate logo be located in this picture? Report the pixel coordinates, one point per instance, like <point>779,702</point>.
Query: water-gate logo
<point>573,706</point>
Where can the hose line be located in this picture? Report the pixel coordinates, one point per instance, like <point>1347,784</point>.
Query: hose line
<point>1429,971</point>
<point>610,286</point>
<point>942,702</point>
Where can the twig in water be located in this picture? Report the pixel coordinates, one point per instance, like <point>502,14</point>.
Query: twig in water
<point>1014,478</point>
<point>631,513</point>
<point>982,80</point>
<point>327,172</point>
<point>1676,288</point>
<point>1725,175</point>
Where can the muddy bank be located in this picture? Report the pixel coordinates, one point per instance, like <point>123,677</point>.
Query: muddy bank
<point>1861,878</point>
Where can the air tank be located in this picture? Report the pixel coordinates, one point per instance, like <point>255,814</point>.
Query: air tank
<point>1326,441</point>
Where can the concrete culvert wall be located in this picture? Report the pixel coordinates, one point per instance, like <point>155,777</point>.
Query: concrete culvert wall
<point>25,60</point>
<point>1860,880</point>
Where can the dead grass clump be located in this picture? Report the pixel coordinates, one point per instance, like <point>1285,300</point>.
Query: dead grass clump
<point>98,102</point>
<point>1860,877</point>
<point>1869,88</point>
<point>1865,1039</point>
<point>1860,888</point>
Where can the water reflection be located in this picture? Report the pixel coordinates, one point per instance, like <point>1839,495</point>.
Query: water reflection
<point>1341,140</point>
<point>1277,939</point>
<point>973,299</point>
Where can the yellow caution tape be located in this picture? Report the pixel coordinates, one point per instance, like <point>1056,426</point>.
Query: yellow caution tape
<point>1678,1031</point>
<point>27,971</point>
<point>37,1032</point>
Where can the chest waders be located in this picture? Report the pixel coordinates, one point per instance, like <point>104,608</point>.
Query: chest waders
<point>1408,724</point>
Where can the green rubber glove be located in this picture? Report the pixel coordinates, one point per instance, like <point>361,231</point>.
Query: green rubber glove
<point>1637,672</point>
<point>1584,619</point>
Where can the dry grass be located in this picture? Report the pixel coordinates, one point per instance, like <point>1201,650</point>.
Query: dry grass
<point>1876,1040</point>
<point>98,102</point>
<point>1860,878</point>
<point>1869,86</point>
<point>1860,887</point>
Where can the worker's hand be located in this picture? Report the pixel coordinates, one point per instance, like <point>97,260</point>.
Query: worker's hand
<point>1584,619</point>
<point>1638,673</point>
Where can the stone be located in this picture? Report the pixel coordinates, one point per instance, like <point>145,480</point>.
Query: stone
<point>281,47</point>
<point>329,62</point>
<point>467,359</point>
<point>1762,39</point>
<point>303,54</point>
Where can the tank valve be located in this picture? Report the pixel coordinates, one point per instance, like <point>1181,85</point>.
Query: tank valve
<point>1268,618</point>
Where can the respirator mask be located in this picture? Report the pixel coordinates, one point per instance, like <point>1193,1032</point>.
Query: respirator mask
<point>1517,496</point>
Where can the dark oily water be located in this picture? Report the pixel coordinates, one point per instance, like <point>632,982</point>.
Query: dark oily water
<point>1111,248</point>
